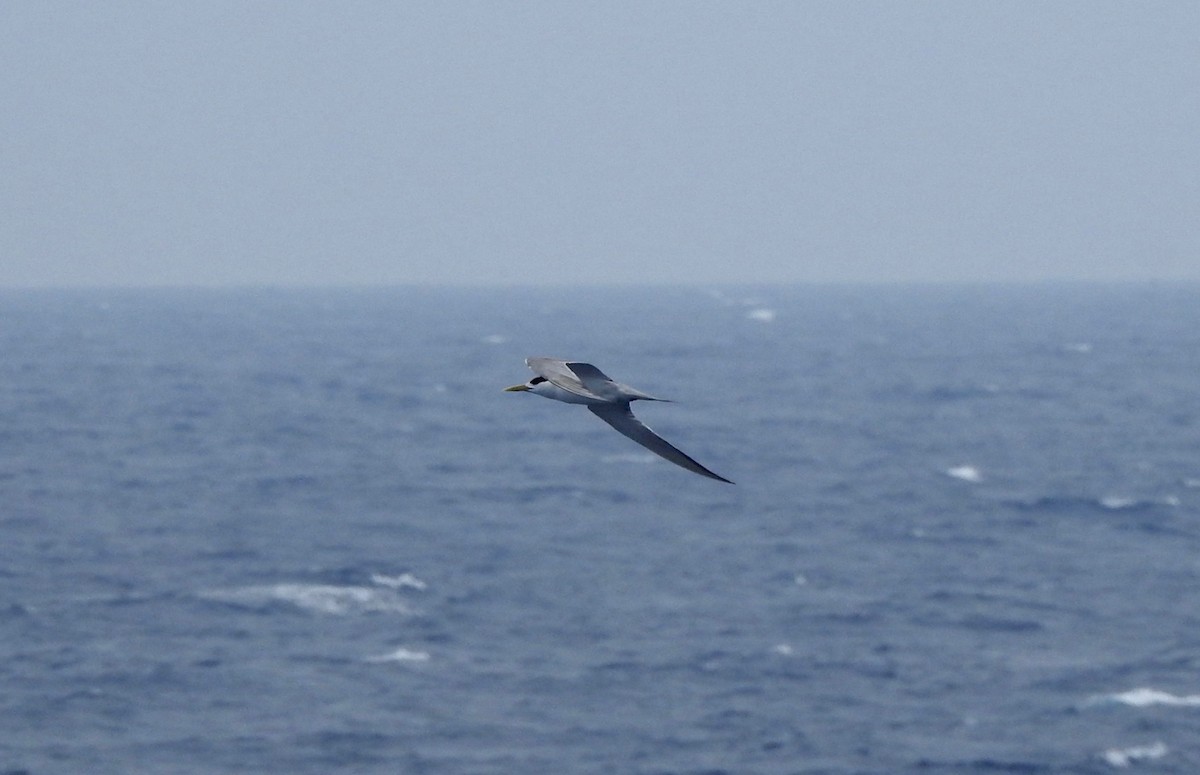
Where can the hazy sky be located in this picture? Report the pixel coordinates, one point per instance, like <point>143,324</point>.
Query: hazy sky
<point>367,142</point>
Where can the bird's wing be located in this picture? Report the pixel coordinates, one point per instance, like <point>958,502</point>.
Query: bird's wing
<point>620,417</point>
<point>582,379</point>
<point>589,375</point>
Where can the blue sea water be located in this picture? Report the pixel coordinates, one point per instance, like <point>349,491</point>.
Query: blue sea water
<point>305,532</point>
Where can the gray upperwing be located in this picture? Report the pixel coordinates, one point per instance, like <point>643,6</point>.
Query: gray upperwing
<point>557,373</point>
<point>620,417</point>
<point>595,381</point>
<point>587,372</point>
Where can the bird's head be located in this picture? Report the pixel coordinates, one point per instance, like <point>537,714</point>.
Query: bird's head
<point>531,385</point>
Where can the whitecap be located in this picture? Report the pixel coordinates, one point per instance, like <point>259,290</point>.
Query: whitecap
<point>401,655</point>
<point>1123,757</point>
<point>315,598</point>
<point>965,473</point>
<point>1191,483</point>
<point>403,581</point>
<point>1078,347</point>
<point>783,650</point>
<point>1145,697</point>
<point>1120,503</point>
<point>494,339</point>
<point>761,314</point>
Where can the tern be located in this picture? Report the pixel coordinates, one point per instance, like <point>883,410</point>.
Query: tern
<point>582,383</point>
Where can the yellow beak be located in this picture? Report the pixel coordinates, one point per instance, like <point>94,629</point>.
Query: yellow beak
<point>516,388</point>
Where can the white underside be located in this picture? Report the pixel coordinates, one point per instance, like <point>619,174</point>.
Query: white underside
<point>550,390</point>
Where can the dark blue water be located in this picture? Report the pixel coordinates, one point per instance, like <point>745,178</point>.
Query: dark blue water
<point>306,532</point>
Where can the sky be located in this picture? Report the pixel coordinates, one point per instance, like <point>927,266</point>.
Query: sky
<point>361,143</point>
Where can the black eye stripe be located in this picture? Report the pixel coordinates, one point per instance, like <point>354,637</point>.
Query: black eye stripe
<point>537,380</point>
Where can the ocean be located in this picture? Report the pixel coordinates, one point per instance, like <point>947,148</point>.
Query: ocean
<point>305,531</point>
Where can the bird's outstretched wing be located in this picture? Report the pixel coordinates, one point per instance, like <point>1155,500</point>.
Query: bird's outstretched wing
<point>621,417</point>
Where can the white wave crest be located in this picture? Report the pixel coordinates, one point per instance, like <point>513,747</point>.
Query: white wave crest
<point>401,655</point>
<point>1123,757</point>
<point>315,598</point>
<point>403,581</point>
<point>1121,503</point>
<point>965,473</point>
<point>762,314</point>
<point>1145,697</point>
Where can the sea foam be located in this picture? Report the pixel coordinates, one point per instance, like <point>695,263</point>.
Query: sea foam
<point>1146,697</point>
<point>965,473</point>
<point>314,598</point>
<point>401,655</point>
<point>1123,757</point>
<point>403,581</point>
<point>762,315</point>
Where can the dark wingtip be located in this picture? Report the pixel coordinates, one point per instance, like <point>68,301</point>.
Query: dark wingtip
<point>705,472</point>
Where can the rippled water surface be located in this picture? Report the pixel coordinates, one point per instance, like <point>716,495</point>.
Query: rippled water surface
<point>307,532</point>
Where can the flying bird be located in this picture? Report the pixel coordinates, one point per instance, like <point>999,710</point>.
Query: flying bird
<point>582,383</point>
